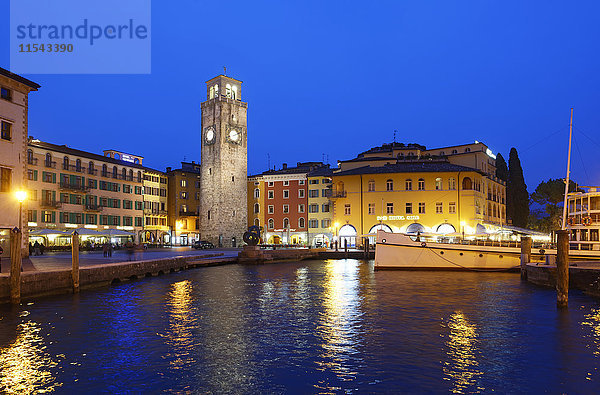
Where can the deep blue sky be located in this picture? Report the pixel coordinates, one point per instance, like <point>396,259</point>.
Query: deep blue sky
<point>338,77</point>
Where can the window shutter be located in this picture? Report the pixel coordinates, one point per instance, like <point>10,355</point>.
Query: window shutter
<point>53,216</point>
<point>35,175</point>
<point>53,180</point>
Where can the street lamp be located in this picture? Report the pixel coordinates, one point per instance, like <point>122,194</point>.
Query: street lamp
<point>21,197</point>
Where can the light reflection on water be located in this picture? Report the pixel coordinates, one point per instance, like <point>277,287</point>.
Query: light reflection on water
<point>304,327</point>
<point>25,365</point>
<point>462,368</point>
<point>339,322</point>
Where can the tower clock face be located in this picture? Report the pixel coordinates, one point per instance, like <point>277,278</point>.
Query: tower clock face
<point>210,135</point>
<point>234,136</point>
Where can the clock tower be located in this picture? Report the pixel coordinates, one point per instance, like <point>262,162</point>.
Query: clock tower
<point>223,203</point>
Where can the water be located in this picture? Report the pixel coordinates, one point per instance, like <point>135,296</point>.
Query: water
<point>307,327</point>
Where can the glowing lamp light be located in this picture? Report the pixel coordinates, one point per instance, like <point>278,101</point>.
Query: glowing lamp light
<point>21,196</point>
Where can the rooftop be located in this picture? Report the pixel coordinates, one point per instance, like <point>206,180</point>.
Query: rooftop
<point>409,167</point>
<point>20,79</point>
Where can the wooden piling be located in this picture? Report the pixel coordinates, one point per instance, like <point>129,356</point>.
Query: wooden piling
<point>15,265</point>
<point>562,269</point>
<point>75,261</point>
<point>525,255</point>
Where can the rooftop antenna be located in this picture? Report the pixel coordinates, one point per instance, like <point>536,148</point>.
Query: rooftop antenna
<point>395,131</point>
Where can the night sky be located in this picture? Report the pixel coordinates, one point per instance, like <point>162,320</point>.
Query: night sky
<point>334,78</point>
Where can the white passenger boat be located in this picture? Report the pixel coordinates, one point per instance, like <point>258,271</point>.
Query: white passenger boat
<point>401,251</point>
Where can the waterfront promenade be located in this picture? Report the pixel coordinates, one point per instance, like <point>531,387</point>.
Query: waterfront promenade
<point>62,260</point>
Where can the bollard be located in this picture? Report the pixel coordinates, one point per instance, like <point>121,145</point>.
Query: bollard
<point>346,248</point>
<point>525,255</point>
<point>75,261</point>
<point>562,269</point>
<point>15,265</point>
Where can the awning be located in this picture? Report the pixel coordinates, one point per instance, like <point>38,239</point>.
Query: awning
<point>44,232</point>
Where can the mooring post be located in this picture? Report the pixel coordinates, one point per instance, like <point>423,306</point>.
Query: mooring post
<point>346,248</point>
<point>562,269</point>
<point>15,265</point>
<point>525,255</point>
<point>75,261</point>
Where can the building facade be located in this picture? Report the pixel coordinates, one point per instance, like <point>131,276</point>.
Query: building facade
<point>406,188</point>
<point>184,203</point>
<point>14,108</point>
<point>156,227</point>
<point>256,204</point>
<point>320,211</point>
<point>223,202</point>
<point>583,218</point>
<point>73,189</point>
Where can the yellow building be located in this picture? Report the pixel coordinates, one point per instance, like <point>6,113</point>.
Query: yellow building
<point>156,228</point>
<point>256,202</point>
<point>184,203</point>
<point>415,195</point>
<point>320,212</point>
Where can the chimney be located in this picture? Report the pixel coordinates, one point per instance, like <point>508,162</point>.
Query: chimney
<point>168,169</point>
<point>285,165</point>
<point>193,162</point>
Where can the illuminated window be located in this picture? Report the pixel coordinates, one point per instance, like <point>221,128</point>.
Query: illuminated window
<point>389,208</point>
<point>183,183</point>
<point>300,208</point>
<point>234,92</point>
<point>438,184</point>
<point>371,208</point>
<point>228,91</point>
<point>389,185</point>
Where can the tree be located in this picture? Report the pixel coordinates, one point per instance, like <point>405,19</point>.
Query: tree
<point>517,197</point>
<point>501,168</point>
<point>550,194</point>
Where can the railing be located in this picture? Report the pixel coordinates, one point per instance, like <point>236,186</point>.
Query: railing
<point>92,171</point>
<point>187,213</point>
<point>148,211</point>
<point>92,207</point>
<point>50,164</point>
<point>338,194</point>
<point>75,168</point>
<point>50,203</point>
<point>32,161</point>
<point>73,187</point>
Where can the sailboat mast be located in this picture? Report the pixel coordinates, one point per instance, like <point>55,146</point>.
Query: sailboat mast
<point>564,221</point>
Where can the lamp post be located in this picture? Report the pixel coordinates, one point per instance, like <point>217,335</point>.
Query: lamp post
<point>21,197</point>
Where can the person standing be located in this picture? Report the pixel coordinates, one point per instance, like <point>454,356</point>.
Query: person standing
<point>36,248</point>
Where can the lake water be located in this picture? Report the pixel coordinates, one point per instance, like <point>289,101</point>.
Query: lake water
<point>308,327</point>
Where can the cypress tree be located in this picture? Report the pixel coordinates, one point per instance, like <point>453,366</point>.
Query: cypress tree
<point>517,197</point>
<point>501,168</point>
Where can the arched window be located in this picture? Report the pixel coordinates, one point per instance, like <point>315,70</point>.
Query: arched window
<point>139,176</point>
<point>48,160</point>
<point>454,151</point>
<point>216,90</point>
<point>389,185</point>
<point>78,165</point>
<point>421,185</point>
<point>445,229</point>
<point>415,228</point>
<point>228,91</point>
<point>234,92</point>
<point>130,175</point>
<point>256,193</point>
<point>66,163</point>
<point>286,223</point>
<point>347,234</point>
<point>30,156</point>
<point>91,168</point>
<point>212,92</point>
<point>467,184</point>
<point>301,222</point>
<point>124,174</point>
<point>104,171</point>
<point>452,183</point>
<point>377,227</point>
<point>494,211</point>
<point>271,223</point>
<point>115,171</point>
<point>409,184</point>
<point>256,222</point>
<point>371,185</point>
<point>467,149</point>
<point>438,184</point>
<point>256,208</point>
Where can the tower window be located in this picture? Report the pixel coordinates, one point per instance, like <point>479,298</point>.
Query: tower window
<point>232,178</point>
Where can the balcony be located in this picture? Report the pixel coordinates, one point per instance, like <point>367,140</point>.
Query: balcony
<point>50,164</point>
<point>92,172</point>
<point>338,194</point>
<point>32,161</point>
<point>49,203</point>
<point>187,213</point>
<point>148,211</point>
<point>92,207</point>
<point>74,168</point>
<point>73,187</point>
